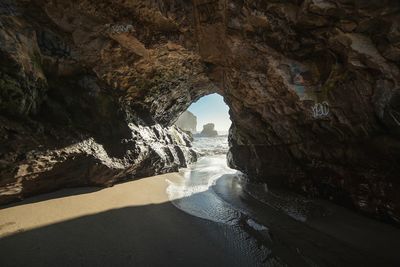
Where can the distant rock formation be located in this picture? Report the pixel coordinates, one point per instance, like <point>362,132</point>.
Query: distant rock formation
<point>187,122</point>
<point>208,130</point>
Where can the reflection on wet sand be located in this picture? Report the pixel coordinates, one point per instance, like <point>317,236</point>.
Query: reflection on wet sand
<point>280,227</point>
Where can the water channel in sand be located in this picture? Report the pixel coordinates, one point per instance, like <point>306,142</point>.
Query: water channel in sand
<point>276,228</point>
<point>194,194</point>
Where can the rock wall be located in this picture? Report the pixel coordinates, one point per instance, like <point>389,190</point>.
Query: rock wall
<point>187,121</point>
<point>313,86</point>
<point>62,122</point>
<point>314,98</point>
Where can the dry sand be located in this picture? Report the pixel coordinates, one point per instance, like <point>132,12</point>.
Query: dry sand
<point>73,203</point>
<point>130,224</point>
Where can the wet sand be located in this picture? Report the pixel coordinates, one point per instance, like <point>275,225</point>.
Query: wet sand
<point>130,224</point>
<point>135,224</point>
<point>291,229</point>
<point>336,237</point>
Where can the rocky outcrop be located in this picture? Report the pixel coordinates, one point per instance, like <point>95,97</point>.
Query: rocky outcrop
<point>187,121</point>
<point>62,123</point>
<point>208,130</point>
<point>53,160</point>
<point>313,86</point>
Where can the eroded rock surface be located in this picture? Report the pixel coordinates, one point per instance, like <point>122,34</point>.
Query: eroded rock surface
<point>66,121</point>
<point>39,157</point>
<point>313,86</point>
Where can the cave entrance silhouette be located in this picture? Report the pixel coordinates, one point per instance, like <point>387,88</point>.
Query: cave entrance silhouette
<point>211,112</point>
<point>209,122</point>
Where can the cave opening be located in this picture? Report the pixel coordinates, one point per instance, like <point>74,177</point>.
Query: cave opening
<point>208,121</point>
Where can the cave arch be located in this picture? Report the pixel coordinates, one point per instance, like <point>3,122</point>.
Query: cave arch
<point>308,110</point>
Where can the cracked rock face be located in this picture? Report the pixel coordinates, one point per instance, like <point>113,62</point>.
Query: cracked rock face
<point>312,86</point>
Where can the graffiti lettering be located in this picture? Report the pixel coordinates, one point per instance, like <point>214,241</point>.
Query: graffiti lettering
<point>115,29</point>
<point>320,110</point>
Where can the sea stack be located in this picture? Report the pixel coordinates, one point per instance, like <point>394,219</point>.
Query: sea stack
<point>208,130</point>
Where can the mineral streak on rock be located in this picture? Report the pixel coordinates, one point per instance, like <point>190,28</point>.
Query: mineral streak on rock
<point>312,86</point>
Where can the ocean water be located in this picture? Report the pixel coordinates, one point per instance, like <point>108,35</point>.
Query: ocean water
<point>194,194</point>
<point>212,165</point>
<point>211,146</point>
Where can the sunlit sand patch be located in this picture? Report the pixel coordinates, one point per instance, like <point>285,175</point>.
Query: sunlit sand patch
<point>61,205</point>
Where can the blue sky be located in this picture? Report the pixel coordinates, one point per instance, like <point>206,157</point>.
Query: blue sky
<point>211,108</point>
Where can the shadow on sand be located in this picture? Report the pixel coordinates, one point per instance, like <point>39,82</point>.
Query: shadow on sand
<point>162,235</point>
<point>151,235</point>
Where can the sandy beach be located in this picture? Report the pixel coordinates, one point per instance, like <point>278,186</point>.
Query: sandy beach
<point>130,224</point>
<point>72,203</point>
<point>204,215</point>
<point>136,224</point>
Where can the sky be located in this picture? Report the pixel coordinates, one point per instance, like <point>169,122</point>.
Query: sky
<point>211,108</point>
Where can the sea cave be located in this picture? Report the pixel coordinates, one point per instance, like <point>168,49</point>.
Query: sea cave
<point>98,135</point>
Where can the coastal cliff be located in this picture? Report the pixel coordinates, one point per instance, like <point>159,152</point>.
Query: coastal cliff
<point>90,89</point>
<point>187,121</point>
